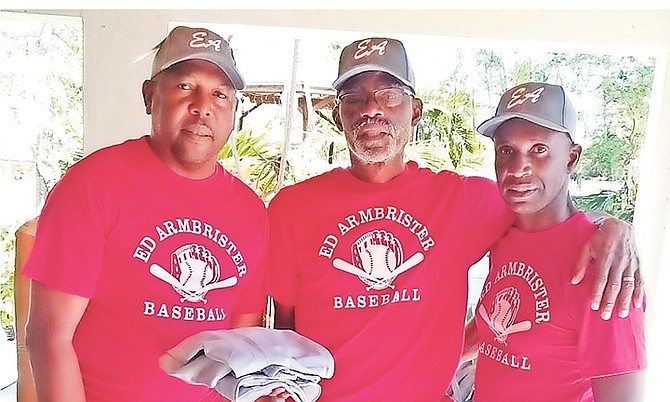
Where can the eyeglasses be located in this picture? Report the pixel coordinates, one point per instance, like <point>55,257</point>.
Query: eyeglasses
<point>385,97</point>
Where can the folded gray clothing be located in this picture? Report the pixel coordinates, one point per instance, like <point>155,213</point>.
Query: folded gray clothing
<point>276,358</point>
<point>250,387</point>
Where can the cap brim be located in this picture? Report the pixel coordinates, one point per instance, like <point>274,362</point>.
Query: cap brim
<point>229,70</point>
<point>364,68</point>
<point>489,127</point>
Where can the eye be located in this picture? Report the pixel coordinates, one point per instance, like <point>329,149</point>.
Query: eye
<point>220,95</point>
<point>184,86</point>
<point>504,150</point>
<point>540,149</point>
<point>389,95</point>
<point>351,98</point>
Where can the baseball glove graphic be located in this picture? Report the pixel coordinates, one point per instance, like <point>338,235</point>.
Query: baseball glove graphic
<point>194,271</point>
<point>377,253</point>
<point>504,308</point>
<point>194,266</point>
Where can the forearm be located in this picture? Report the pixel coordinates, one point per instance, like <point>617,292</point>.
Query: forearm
<point>619,388</point>
<point>471,342</point>
<point>284,316</point>
<point>247,320</point>
<point>54,316</point>
<point>55,369</point>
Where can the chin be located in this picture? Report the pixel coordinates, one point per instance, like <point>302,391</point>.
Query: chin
<point>521,208</point>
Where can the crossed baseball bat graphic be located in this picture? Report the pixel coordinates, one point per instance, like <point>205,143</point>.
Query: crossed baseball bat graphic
<point>406,265</point>
<point>160,273</point>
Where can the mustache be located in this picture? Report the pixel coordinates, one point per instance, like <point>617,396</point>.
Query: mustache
<point>373,120</point>
<point>200,128</point>
<point>522,185</point>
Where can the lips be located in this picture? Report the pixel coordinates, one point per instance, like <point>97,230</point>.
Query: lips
<point>199,130</point>
<point>519,191</point>
<point>372,129</point>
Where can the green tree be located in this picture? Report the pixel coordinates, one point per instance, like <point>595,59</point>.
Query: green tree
<point>613,137</point>
<point>446,130</point>
<point>254,160</point>
<point>42,90</point>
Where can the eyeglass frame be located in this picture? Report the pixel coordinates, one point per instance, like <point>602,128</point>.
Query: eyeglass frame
<point>405,91</point>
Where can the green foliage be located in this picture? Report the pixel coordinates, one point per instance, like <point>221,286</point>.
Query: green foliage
<point>42,89</point>
<point>606,157</point>
<point>620,87</point>
<point>447,128</point>
<point>256,161</point>
<point>44,93</point>
<point>615,203</point>
<point>6,277</point>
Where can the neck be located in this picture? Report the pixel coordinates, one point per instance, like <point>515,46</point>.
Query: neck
<point>546,218</point>
<point>378,172</point>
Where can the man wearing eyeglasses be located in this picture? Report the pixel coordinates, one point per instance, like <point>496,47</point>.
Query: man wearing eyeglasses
<point>372,261</point>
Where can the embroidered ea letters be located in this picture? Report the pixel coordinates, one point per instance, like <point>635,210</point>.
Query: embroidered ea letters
<point>519,97</point>
<point>365,49</point>
<point>199,41</point>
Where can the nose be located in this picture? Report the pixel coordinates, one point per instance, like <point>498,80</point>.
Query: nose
<point>371,108</point>
<point>520,167</point>
<point>201,104</point>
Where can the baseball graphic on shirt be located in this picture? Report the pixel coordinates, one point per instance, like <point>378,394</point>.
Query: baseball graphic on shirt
<point>378,254</point>
<point>195,267</point>
<point>504,308</point>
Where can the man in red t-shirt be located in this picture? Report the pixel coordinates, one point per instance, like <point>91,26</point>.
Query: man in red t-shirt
<point>144,243</point>
<point>371,261</point>
<point>536,336</point>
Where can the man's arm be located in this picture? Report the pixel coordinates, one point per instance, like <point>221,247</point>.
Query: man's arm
<point>54,316</point>
<point>613,254</point>
<point>247,320</point>
<point>284,316</point>
<point>471,341</point>
<point>619,388</point>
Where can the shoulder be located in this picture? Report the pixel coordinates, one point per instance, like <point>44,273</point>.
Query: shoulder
<point>235,185</point>
<point>468,184</point>
<point>306,191</point>
<point>132,149</point>
<point>479,185</point>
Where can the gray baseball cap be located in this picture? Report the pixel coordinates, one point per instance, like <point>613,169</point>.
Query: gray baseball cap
<point>537,102</point>
<point>375,54</point>
<point>185,43</point>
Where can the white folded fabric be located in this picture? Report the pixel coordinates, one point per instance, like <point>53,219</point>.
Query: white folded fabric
<point>250,387</point>
<point>244,364</point>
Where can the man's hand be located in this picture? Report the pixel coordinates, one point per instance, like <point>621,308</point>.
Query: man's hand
<point>613,255</point>
<point>277,394</point>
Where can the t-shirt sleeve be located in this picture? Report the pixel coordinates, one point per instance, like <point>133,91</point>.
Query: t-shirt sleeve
<point>608,347</point>
<point>281,274</point>
<point>486,216</point>
<point>67,254</point>
<point>253,298</point>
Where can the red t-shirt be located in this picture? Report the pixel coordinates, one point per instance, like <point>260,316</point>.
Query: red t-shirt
<point>160,257</point>
<point>378,274</point>
<point>538,336</point>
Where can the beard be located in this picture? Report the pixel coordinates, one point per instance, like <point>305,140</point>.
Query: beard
<point>379,144</point>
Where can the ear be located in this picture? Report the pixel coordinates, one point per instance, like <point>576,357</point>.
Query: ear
<point>336,118</point>
<point>147,94</point>
<point>574,155</point>
<point>417,111</point>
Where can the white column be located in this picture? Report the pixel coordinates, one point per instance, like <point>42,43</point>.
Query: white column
<point>652,222</point>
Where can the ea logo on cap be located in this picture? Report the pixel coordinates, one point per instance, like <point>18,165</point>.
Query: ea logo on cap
<point>365,49</point>
<point>199,41</point>
<point>520,96</point>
